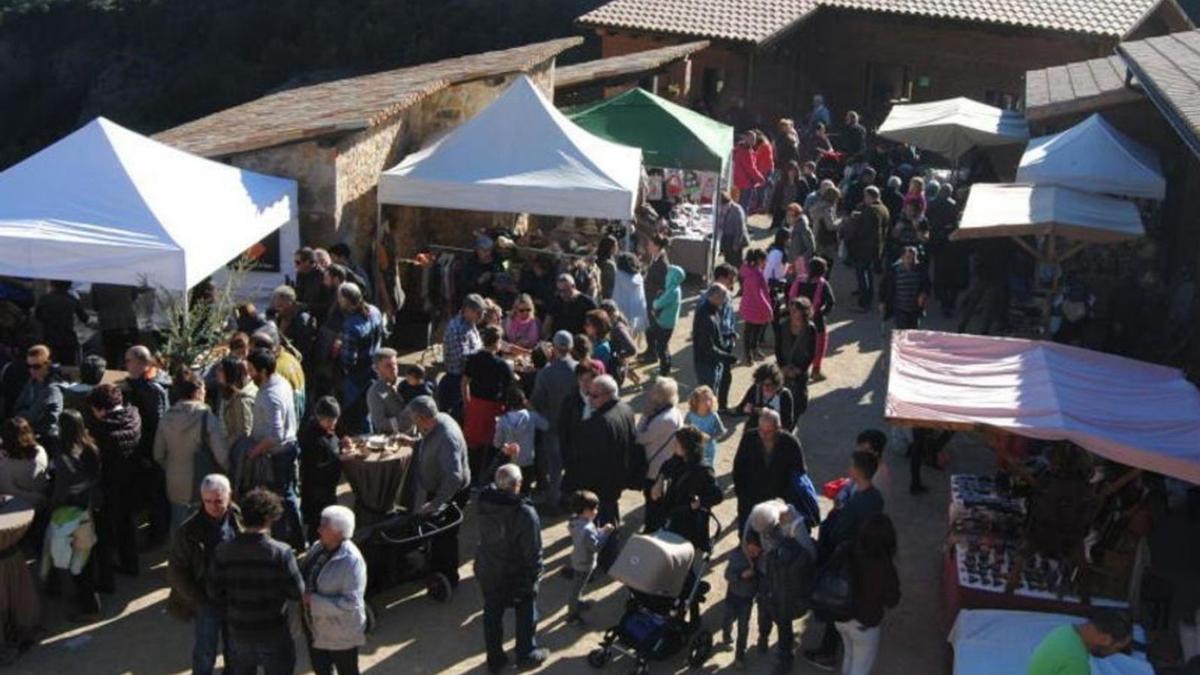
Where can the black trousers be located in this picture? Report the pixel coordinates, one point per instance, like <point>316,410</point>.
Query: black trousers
<point>723,386</point>
<point>117,534</point>
<point>324,661</point>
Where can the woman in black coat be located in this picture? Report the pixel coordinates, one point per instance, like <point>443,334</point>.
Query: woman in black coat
<point>794,349</point>
<point>686,490</point>
<point>117,430</point>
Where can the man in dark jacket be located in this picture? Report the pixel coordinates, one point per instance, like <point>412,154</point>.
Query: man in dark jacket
<point>769,465</point>
<point>507,564</point>
<point>856,193</point>
<point>712,346</point>
<point>947,258</point>
<point>904,291</point>
<point>57,311</point>
<point>146,389</point>
<point>251,581</point>
<point>117,429</point>
<point>188,563</point>
<point>864,241</point>
<point>41,400</point>
<point>598,447</point>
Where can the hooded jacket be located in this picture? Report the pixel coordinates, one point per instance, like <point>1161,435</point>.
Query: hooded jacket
<point>118,435</point>
<point>178,442</point>
<point>509,558</point>
<point>666,305</point>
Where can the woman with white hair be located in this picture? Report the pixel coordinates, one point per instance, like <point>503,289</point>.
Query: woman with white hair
<point>656,435</point>
<point>335,576</point>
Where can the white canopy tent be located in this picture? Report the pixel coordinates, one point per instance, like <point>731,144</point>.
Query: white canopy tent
<point>519,155</point>
<point>1095,157</point>
<point>953,126</point>
<point>108,205</point>
<point>1015,210</point>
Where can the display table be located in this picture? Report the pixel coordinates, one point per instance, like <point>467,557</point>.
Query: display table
<point>19,607</point>
<point>1000,642</point>
<point>985,531</point>
<point>377,480</point>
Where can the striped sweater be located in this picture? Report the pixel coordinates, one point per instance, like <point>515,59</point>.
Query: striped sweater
<point>253,577</point>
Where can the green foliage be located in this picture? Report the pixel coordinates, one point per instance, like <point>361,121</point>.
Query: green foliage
<point>153,64</point>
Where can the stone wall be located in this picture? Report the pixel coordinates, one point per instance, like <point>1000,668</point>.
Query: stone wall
<point>312,165</point>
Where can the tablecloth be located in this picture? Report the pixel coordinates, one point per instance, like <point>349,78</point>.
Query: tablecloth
<point>1000,642</point>
<point>19,607</point>
<point>378,480</point>
<point>691,253</point>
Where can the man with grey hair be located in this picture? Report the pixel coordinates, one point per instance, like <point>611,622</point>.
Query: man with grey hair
<point>460,340</point>
<point>552,388</point>
<point>362,335</point>
<point>600,459</point>
<point>443,476</point>
<point>295,326</point>
<point>508,563</point>
<point>384,401</point>
<point>188,562</point>
<point>769,464</point>
<point>712,347</point>
<point>864,242</point>
<point>146,388</point>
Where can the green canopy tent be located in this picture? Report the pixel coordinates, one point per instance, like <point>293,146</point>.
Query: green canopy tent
<point>669,135</point>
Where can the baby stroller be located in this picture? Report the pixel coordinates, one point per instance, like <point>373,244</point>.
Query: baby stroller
<point>396,549</point>
<point>666,591</point>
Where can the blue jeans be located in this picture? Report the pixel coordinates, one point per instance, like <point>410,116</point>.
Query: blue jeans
<point>208,631</point>
<point>709,373</point>
<point>865,274</point>
<point>276,656</point>
<point>289,528</point>
<point>493,624</point>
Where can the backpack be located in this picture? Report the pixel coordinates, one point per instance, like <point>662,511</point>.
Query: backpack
<point>790,574</point>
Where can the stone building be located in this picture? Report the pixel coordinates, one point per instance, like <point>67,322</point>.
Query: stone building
<point>336,137</point>
<point>772,55</point>
<point>1149,90</point>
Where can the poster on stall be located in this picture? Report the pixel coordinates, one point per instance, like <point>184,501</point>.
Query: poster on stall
<point>697,187</point>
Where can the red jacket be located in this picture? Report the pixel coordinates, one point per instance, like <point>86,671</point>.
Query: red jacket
<point>745,172</point>
<point>764,158</point>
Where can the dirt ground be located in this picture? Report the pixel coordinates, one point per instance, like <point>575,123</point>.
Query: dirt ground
<point>418,635</point>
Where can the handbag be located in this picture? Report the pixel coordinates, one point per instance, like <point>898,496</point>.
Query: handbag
<point>833,593</point>
<point>204,462</point>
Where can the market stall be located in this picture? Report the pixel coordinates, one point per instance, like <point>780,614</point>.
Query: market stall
<point>1060,220</point>
<point>953,126</point>
<point>106,204</point>
<point>1093,156</point>
<point>1000,642</point>
<point>687,158</point>
<point>519,155</point>
<point>1020,539</point>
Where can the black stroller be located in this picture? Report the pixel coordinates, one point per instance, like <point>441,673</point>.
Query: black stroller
<point>666,590</point>
<point>396,548</point>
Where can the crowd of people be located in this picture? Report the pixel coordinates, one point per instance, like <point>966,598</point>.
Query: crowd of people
<point>237,463</point>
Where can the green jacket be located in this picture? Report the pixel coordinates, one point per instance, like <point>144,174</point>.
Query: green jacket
<point>666,305</point>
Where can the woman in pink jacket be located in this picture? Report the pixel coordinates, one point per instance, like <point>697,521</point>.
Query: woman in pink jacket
<point>764,161</point>
<point>756,303</point>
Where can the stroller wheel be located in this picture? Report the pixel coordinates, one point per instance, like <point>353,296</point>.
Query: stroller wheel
<point>439,587</point>
<point>598,657</point>
<point>701,648</point>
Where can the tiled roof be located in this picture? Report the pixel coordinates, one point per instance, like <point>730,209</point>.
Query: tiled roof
<point>579,74</point>
<point>758,20</point>
<point>1168,67</point>
<point>739,20</point>
<point>346,104</point>
<point>1077,87</point>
